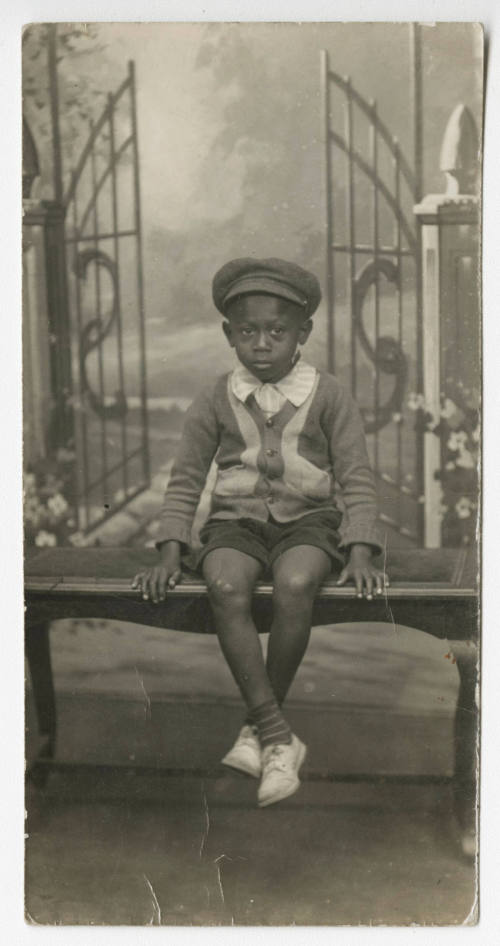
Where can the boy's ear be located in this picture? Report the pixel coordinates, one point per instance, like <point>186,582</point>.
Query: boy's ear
<point>228,332</point>
<point>305,331</point>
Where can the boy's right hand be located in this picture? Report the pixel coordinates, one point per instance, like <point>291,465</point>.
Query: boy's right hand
<point>153,582</point>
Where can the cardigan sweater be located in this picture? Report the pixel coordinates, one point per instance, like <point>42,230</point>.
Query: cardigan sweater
<point>284,466</point>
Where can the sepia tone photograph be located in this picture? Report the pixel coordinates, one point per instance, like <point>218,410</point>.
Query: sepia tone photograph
<point>251,428</point>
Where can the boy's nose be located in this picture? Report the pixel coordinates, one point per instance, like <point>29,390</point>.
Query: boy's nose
<point>261,342</point>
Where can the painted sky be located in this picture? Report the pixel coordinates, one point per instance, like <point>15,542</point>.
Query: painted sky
<point>231,159</point>
<point>230,132</point>
<point>248,82</point>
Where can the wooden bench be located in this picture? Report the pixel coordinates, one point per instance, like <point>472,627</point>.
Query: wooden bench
<point>434,591</point>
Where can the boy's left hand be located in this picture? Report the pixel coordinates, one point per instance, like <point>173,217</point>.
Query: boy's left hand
<point>366,577</point>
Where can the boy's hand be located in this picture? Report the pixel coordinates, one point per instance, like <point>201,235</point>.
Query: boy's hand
<point>153,582</point>
<point>365,576</point>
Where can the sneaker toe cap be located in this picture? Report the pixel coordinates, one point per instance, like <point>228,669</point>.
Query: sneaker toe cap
<point>247,762</point>
<point>277,791</point>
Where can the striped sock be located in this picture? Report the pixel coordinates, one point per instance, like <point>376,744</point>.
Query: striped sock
<point>271,725</point>
<point>250,719</point>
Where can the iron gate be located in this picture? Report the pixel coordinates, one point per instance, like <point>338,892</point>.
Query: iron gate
<point>106,304</point>
<point>373,294</point>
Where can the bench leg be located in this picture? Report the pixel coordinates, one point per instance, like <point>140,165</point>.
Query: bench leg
<point>466,744</point>
<point>37,645</point>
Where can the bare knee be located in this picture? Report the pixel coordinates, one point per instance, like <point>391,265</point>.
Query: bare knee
<point>228,595</point>
<point>295,586</point>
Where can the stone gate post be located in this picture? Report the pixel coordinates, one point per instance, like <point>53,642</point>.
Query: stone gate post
<point>47,387</point>
<point>449,234</point>
<point>37,395</point>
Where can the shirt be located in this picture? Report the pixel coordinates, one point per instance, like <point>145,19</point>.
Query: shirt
<point>295,387</point>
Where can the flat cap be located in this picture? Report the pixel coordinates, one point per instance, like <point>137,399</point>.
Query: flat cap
<point>274,276</point>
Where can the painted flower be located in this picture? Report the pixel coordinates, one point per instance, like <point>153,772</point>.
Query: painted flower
<point>57,505</point>
<point>77,538</point>
<point>448,409</point>
<point>463,508</point>
<point>45,538</point>
<point>442,511</point>
<point>457,441</point>
<point>415,401</point>
<point>465,460</point>
<point>35,512</point>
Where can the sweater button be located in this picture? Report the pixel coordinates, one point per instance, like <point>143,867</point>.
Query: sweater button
<point>269,422</point>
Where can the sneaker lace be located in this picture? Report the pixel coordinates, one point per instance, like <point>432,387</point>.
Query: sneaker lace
<point>274,761</point>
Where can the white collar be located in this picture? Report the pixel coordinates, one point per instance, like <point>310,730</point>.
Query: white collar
<point>296,386</point>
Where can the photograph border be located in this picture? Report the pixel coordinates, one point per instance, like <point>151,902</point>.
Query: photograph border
<point>13,722</point>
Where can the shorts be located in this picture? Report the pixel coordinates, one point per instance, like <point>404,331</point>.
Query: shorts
<point>266,541</point>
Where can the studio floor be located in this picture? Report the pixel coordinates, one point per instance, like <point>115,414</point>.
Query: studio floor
<point>107,844</point>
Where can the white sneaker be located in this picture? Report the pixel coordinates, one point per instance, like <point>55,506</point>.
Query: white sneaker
<point>280,768</point>
<point>246,753</point>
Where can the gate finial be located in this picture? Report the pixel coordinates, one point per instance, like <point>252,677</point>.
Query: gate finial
<point>459,157</point>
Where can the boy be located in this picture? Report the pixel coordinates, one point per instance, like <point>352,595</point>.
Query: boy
<point>282,434</point>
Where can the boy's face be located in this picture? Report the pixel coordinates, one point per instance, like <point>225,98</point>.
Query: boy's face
<point>265,331</point>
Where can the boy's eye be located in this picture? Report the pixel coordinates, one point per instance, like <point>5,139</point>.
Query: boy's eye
<point>278,330</point>
<point>246,331</point>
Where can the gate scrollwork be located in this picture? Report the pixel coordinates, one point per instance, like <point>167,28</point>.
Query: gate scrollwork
<point>387,355</point>
<point>95,332</point>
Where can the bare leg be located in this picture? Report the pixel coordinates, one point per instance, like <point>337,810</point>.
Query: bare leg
<point>231,576</point>
<point>298,574</point>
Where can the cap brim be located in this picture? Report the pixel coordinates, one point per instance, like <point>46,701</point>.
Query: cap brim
<point>262,284</point>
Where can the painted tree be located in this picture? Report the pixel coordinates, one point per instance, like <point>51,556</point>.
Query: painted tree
<point>79,54</point>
